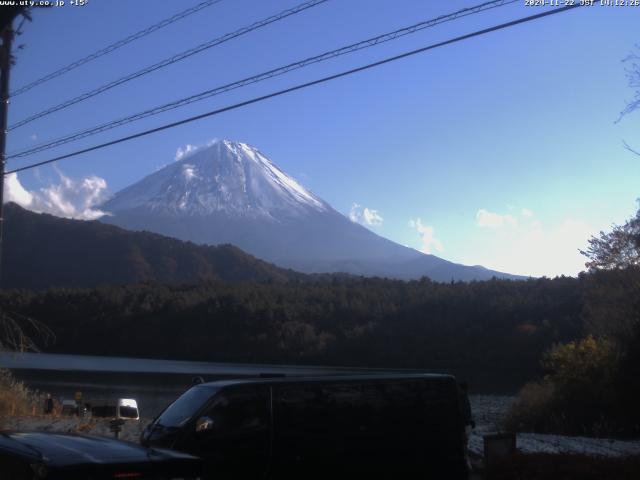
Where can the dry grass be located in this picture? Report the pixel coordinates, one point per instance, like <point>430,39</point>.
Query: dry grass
<point>532,410</point>
<point>542,408</point>
<point>16,398</point>
<point>131,430</point>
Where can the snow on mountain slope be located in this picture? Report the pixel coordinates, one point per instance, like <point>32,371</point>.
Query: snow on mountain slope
<point>228,177</point>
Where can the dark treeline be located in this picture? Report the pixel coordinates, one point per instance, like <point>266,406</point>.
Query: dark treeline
<point>493,332</point>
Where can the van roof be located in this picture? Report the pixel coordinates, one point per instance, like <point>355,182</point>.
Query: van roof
<point>324,379</point>
<point>108,399</point>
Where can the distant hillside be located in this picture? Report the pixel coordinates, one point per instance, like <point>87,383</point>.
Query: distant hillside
<point>42,251</point>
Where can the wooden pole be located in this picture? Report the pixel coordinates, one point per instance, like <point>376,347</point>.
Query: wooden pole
<point>5,68</point>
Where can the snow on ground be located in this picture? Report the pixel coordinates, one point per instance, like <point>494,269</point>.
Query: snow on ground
<point>544,443</point>
<point>489,409</point>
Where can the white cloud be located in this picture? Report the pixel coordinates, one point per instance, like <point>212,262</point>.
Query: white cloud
<point>530,247</point>
<point>365,216</point>
<point>69,198</point>
<point>188,149</point>
<point>426,233</point>
<point>539,251</point>
<point>486,219</point>
<point>182,152</point>
<point>15,192</point>
<point>189,172</point>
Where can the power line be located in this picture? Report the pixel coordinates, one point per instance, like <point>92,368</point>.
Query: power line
<point>300,86</point>
<point>170,61</point>
<point>115,46</point>
<point>264,76</point>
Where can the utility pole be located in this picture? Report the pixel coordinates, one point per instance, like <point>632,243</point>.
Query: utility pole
<point>5,67</point>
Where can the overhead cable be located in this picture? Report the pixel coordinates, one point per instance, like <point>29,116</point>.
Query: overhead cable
<point>114,46</point>
<point>168,61</point>
<point>299,87</point>
<point>262,76</point>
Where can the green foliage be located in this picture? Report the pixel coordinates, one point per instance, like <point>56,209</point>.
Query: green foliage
<point>611,304</point>
<point>578,396</point>
<point>612,309</point>
<point>619,248</point>
<point>583,375</point>
<point>586,364</point>
<point>591,386</point>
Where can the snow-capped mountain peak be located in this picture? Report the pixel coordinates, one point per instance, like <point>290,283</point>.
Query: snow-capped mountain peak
<point>224,177</point>
<point>229,192</point>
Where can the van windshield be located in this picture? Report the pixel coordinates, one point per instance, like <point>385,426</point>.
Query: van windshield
<point>128,412</point>
<point>185,406</point>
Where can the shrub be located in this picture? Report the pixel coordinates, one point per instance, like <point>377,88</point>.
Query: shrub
<point>15,397</point>
<point>531,409</point>
<point>578,396</point>
<point>584,364</point>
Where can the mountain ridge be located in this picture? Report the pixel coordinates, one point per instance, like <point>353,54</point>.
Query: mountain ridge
<point>42,251</point>
<point>229,192</point>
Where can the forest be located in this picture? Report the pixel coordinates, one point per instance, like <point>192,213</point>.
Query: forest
<point>493,332</point>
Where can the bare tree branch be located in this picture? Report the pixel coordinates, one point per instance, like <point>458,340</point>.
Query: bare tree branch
<point>626,145</point>
<point>632,70</point>
<point>21,333</point>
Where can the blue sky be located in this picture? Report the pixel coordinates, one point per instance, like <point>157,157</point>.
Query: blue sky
<point>501,151</point>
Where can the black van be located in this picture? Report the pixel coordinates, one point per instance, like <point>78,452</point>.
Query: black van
<point>69,456</point>
<point>368,426</point>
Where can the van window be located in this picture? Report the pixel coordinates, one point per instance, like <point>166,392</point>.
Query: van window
<point>301,405</point>
<point>103,411</point>
<point>128,412</point>
<point>239,444</point>
<point>180,411</point>
<point>354,421</point>
<point>344,404</point>
<point>240,411</point>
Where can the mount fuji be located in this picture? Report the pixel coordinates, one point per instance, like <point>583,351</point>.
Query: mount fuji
<point>229,192</point>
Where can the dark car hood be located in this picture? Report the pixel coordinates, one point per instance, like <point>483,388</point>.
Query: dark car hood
<point>66,449</point>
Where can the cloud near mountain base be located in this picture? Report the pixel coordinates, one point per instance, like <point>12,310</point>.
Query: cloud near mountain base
<point>365,216</point>
<point>519,242</point>
<point>68,198</point>
<point>427,237</point>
